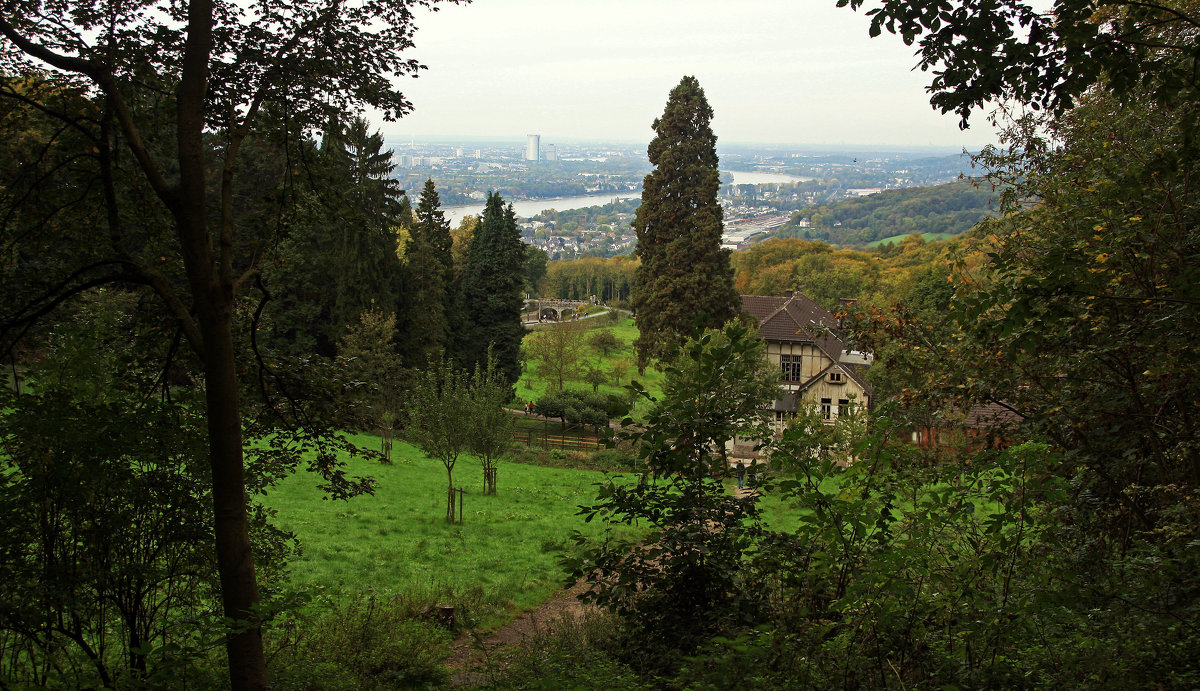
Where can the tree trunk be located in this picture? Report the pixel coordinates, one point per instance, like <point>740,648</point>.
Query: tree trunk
<point>210,277</point>
<point>235,561</point>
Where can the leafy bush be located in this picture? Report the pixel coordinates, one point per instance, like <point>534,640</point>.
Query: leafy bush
<point>366,643</point>
<point>573,407</point>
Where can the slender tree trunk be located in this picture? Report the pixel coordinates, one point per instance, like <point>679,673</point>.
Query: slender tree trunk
<point>235,561</point>
<point>210,277</point>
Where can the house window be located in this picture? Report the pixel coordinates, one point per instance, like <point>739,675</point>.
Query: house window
<point>835,377</point>
<point>843,406</point>
<point>790,365</point>
<point>826,409</point>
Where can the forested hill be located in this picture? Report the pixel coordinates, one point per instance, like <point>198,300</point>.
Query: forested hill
<point>948,209</point>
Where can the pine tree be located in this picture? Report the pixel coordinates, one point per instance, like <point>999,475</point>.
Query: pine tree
<point>685,282</point>
<point>494,279</point>
<point>360,213</point>
<point>431,303</point>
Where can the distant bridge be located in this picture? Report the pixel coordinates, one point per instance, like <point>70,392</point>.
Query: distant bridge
<point>552,310</point>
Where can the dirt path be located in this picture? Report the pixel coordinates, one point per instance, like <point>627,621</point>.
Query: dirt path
<point>470,656</point>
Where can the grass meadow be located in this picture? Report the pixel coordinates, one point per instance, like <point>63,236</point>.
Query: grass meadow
<point>501,559</point>
<point>896,239</point>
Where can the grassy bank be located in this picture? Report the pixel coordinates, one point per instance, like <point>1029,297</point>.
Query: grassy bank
<point>502,558</point>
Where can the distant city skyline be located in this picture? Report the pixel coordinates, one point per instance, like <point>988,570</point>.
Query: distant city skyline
<point>774,71</point>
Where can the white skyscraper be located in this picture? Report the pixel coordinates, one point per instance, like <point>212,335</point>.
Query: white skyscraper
<point>533,147</point>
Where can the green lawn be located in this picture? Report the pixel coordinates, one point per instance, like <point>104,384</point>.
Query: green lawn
<point>895,239</point>
<point>502,558</point>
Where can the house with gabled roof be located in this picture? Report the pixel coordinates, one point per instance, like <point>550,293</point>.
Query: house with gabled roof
<point>805,341</point>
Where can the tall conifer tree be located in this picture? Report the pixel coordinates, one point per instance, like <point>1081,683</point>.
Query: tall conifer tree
<point>431,299</point>
<point>494,280</point>
<point>685,282</point>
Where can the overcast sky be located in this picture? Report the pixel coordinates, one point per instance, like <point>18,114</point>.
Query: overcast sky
<point>775,71</point>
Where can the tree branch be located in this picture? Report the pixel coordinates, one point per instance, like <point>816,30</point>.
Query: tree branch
<point>103,79</point>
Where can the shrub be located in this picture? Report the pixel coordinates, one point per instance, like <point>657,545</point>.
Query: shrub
<point>365,643</point>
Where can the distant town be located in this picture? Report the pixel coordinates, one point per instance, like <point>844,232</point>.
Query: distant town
<point>578,199</point>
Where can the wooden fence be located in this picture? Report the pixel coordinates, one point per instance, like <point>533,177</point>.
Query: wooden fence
<point>551,440</point>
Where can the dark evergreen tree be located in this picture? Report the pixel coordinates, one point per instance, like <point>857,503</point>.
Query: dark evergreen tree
<point>493,283</point>
<point>685,282</point>
<point>430,299</point>
<point>362,215</point>
<point>338,257</point>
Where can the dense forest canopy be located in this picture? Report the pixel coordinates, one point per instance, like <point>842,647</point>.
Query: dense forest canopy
<point>951,209</point>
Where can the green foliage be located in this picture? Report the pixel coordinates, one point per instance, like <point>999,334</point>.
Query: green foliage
<point>367,350</point>
<point>718,388</point>
<point>610,280</point>
<point>1075,313</point>
<point>684,282</point>
<point>827,274</point>
<point>336,257</point>
<point>583,408</point>
<point>595,376</point>
<point>685,581</point>
<point>105,498</point>
<point>431,299</point>
<point>556,352</point>
<point>982,52</point>
<point>489,425</point>
<point>605,342</point>
<point>571,654</point>
<point>536,263</point>
<point>439,403</point>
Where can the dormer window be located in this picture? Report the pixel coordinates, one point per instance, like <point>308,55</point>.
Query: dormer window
<point>835,377</point>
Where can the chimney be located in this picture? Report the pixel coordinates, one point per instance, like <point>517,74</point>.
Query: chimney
<point>788,293</point>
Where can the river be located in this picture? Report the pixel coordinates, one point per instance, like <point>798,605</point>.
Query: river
<point>746,177</point>
<point>531,207</point>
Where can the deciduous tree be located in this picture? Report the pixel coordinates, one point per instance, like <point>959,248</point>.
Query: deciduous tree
<point>491,426</point>
<point>217,73</point>
<point>439,409</point>
<point>556,352</point>
<point>982,51</point>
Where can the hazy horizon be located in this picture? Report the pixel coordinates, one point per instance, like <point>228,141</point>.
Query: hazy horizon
<point>776,72</point>
<point>519,141</point>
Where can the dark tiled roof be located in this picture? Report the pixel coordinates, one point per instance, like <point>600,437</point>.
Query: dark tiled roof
<point>796,320</point>
<point>987,415</point>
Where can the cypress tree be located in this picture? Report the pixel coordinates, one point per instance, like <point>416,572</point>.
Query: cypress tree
<point>685,281</point>
<point>494,278</point>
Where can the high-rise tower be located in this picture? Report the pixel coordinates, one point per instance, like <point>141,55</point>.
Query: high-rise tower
<point>533,147</point>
